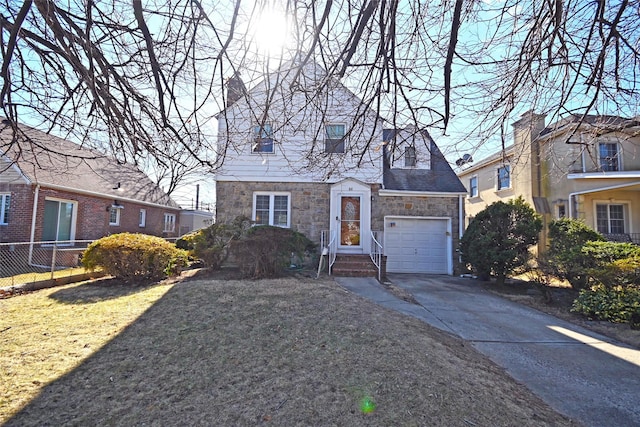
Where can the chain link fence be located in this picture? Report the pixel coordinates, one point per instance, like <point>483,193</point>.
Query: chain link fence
<point>28,262</point>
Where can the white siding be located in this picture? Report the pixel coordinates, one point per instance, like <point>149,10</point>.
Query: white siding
<point>10,174</point>
<point>298,119</point>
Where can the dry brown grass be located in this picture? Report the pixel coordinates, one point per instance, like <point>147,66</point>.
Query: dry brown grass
<point>224,352</point>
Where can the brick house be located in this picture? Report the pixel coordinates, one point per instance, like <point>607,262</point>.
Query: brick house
<point>56,190</point>
<point>579,167</point>
<point>310,156</point>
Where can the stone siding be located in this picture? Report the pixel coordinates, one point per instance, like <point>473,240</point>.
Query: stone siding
<point>442,207</point>
<point>310,203</point>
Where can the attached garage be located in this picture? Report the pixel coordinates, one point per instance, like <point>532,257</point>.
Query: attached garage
<point>418,245</point>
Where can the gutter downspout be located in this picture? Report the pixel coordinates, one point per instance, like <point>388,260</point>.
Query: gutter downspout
<point>460,215</point>
<point>33,222</point>
<point>460,223</point>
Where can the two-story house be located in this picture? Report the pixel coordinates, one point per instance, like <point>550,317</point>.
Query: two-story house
<point>300,150</point>
<point>579,167</point>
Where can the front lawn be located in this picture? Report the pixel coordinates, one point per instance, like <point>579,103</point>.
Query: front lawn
<point>225,352</point>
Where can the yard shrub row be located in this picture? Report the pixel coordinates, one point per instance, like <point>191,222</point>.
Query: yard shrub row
<point>259,252</point>
<point>618,304</point>
<point>135,256</point>
<point>211,244</point>
<point>266,251</point>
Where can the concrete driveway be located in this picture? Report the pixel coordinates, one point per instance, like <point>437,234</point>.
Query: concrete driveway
<point>584,375</point>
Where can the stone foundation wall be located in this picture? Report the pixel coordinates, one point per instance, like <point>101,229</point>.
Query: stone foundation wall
<point>310,203</point>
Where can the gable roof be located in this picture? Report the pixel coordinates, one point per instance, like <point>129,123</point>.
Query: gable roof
<point>295,75</point>
<point>439,178</point>
<point>54,162</point>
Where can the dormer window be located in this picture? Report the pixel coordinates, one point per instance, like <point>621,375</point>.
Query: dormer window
<point>262,138</point>
<point>334,138</point>
<point>609,157</point>
<point>410,159</point>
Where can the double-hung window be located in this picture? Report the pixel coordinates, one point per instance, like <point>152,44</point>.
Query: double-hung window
<point>504,177</point>
<point>334,138</point>
<point>272,209</point>
<point>610,218</point>
<point>473,186</point>
<point>609,156</point>
<point>59,220</point>
<point>262,138</point>
<point>5,204</point>
<point>114,215</point>
<point>410,159</point>
<point>169,223</point>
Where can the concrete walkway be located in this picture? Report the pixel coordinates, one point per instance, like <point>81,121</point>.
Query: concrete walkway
<point>586,376</point>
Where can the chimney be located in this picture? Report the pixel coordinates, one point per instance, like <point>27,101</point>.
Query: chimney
<point>235,89</point>
<point>526,159</point>
<point>528,128</point>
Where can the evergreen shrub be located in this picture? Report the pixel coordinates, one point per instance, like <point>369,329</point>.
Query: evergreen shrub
<point>136,256</point>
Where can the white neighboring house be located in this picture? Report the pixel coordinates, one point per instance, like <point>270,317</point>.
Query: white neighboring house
<point>314,158</point>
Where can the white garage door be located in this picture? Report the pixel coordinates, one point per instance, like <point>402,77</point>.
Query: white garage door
<point>416,245</point>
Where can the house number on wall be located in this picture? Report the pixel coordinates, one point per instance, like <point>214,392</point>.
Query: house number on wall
<point>350,188</point>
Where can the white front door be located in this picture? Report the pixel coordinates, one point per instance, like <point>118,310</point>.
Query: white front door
<point>351,216</point>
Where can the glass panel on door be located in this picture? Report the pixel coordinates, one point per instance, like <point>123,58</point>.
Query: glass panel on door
<point>350,221</point>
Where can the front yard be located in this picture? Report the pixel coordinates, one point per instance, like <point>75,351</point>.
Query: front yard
<point>215,352</point>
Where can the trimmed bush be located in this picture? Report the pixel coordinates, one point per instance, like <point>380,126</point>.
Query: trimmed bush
<point>565,258</point>
<point>265,251</point>
<point>211,244</point>
<point>618,304</point>
<point>497,240</point>
<point>135,256</point>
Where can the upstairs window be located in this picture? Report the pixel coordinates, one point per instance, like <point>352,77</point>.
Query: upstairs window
<point>609,156</point>
<point>271,209</point>
<point>410,159</point>
<point>473,186</point>
<point>334,138</point>
<point>5,204</point>
<point>504,177</point>
<point>262,138</point>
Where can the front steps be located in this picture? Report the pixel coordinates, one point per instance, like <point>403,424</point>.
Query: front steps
<point>354,266</point>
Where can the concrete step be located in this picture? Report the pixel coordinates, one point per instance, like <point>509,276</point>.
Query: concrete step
<point>354,266</point>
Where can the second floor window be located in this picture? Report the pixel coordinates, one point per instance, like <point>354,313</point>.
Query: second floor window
<point>334,138</point>
<point>473,186</point>
<point>5,204</point>
<point>504,177</point>
<point>410,158</point>
<point>262,138</point>
<point>608,156</point>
